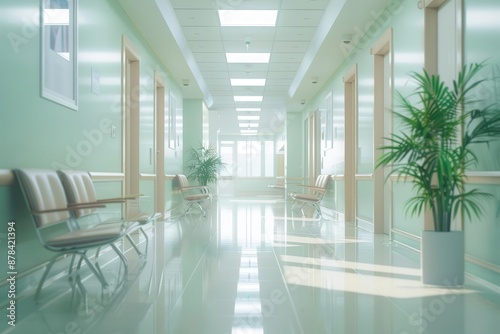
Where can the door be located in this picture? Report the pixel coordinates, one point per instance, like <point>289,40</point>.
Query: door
<point>130,119</point>
<point>159,145</point>
<point>351,147</point>
<point>383,97</point>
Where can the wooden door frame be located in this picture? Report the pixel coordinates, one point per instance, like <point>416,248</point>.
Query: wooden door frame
<point>130,77</point>
<point>350,141</point>
<point>380,50</point>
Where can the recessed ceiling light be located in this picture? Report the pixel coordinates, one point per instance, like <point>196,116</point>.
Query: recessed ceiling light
<point>248,82</point>
<point>249,132</point>
<point>246,98</point>
<point>249,125</point>
<point>253,18</point>
<point>248,57</point>
<point>248,118</point>
<point>248,109</point>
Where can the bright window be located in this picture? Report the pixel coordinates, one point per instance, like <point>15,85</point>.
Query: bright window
<point>248,158</point>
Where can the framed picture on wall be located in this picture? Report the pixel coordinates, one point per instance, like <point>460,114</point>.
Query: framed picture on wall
<point>58,54</point>
<point>172,126</point>
<point>328,135</point>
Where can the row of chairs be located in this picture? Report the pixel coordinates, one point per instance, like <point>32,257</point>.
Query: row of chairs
<point>197,195</point>
<point>313,196</point>
<point>57,201</point>
<point>193,195</point>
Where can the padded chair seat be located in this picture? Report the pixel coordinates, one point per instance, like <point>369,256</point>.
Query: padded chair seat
<point>87,236</point>
<point>305,197</point>
<point>197,197</point>
<point>143,218</point>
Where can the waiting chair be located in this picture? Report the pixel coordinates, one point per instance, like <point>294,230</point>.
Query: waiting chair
<point>55,227</point>
<point>314,196</point>
<point>80,190</point>
<point>279,185</point>
<point>193,194</point>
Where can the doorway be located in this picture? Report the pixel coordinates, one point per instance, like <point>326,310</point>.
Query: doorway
<point>383,97</point>
<point>351,145</point>
<point>159,144</point>
<point>130,123</point>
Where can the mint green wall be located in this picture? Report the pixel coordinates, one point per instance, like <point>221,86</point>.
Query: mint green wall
<point>294,148</point>
<point>49,135</point>
<point>38,133</point>
<point>480,42</point>
<point>193,128</point>
<point>408,55</point>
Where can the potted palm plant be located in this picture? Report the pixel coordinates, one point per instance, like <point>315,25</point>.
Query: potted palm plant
<point>433,150</point>
<point>205,165</point>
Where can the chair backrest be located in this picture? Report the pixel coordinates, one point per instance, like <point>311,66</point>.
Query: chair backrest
<point>43,191</point>
<point>79,189</point>
<point>322,181</point>
<point>183,180</point>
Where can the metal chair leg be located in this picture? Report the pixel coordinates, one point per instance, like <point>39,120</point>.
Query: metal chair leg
<point>201,208</point>
<point>147,240</point>
<point>134,245</point>
<point>42,279</point>
<point>95,271</point>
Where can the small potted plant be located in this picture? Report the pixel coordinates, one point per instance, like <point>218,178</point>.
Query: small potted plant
<point>205,165</point>
<point>433,149</point>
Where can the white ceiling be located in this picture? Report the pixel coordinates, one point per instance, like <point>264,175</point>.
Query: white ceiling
<point>305,46</point>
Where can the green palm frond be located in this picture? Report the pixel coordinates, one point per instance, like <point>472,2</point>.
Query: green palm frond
<point>438,127</point>
<point>205,165</point>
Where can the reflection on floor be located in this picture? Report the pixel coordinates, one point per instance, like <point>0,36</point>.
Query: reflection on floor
<point>250,267</point>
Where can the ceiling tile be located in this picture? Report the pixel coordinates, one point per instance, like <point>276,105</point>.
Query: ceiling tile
<point>255,46</point>
<point>247,4</point>
<point>299,18</point>
<point>287,57</point>
<point>206,67</point>
<point>248,67</point>
<point>248,74</point>
<point>197,17</point>
<point>255,33</point>
<point>209,57</point>
<point>193,4</point>
<point>280,74</point>
<point>290,47</point>
<point>283,67</point>
<point>206,46</point>
<point>294,33</point>
<point>202,33</point>
<point>304,4</point>
<point>216,75</point>
<point>279,82</point>
<point>217,81</point>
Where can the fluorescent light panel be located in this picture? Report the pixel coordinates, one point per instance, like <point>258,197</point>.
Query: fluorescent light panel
<point>248,82</point>
<point>248,57</point>
<point>248,18</point>
<point>245,98</point>
<point>248,118</point>
<point>249,132</point>
<point>248,109</point>
<point>249,125</point>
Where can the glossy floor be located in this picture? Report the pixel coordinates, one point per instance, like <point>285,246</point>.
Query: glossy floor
<point>251,267</point>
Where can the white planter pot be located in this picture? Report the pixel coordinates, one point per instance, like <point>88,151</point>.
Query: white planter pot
<point>442,258</point>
